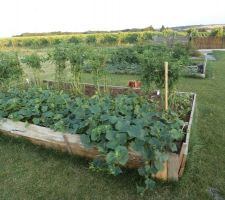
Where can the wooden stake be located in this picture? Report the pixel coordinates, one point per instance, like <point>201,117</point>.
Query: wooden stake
<point>166,85</point>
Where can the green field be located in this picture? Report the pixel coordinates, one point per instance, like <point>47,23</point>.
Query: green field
<point>32,172</point>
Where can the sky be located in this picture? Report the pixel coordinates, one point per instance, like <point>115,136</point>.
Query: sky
<point>19,16</point>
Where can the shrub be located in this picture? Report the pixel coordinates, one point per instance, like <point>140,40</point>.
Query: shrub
<point>109,39</point>
<point>43,42</point>
<point>217,32</point>
<point>75,40</point>
<point>147,36</point>
<point>124,55</point>
<point>77,54</point>
<point>152,68</point>
<point>59,57</point>
<point>10,68</point>
<point>91,39</point>
<point>34,62</point>
<point>130,38</point>
<point>97,61</point>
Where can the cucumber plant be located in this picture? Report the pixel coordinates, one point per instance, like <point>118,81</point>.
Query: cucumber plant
<point>114,125</point>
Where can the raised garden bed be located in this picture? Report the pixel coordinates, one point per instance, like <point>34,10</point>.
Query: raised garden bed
<point>198,68</point>
<point>71,143</point>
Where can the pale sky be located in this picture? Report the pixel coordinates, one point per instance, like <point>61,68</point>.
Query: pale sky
<point>19,16</point>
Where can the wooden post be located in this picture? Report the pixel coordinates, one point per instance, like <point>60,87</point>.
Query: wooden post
<point>166,85</point>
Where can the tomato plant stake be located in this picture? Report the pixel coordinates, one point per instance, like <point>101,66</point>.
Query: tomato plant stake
<point>166,85</point>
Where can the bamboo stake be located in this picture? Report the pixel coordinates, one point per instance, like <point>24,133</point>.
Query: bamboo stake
<point>166,85</point>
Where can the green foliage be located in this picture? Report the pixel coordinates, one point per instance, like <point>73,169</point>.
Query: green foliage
<point>113,125</point>
<point>10,68</point>
<point>77,54</point>
<point>130,38</point>
<point>217,32</point>
<point>59,57</point>
<point>147,36</point>
<point>91,39</point>
<point>152,66</point>
<point>109,39</point>
<point>180,103</point>
<point>162,28</point>
<point>75,40</point>
<point>124,60</point>
<point>97,61</point>
<point>34,62</point>
<point>181,53</point>
<point>193,32</point>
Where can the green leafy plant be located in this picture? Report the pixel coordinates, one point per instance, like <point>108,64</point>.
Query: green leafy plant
<point>10,68</point>
<point>109,39</point>
<point>34,62</point>
<point>130,38</point>
<point>91,39</point>
<point>98,60</point>
<point>59,57</point>
<point>152,66</point>
<point>114,125</point>
<point>77,54</point>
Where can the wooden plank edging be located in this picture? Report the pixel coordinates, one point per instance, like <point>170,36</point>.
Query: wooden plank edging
<point>173,168</point>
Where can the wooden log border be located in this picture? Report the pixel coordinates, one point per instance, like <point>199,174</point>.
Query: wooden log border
<point>173,167</point>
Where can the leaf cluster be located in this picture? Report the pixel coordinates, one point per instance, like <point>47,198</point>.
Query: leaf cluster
<point>10,68</point>
<point>114,125</point>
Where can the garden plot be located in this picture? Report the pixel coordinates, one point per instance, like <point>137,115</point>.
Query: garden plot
<point>197,68</point>
<point>83,138</point>
<point>117,127</point>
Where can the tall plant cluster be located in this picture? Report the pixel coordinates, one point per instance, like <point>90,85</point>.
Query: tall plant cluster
<point>145,60</point>
<point>10,68</point>
<point>59,57</point>
<point>152,62</point>
<point>34,62</point>
<point>77,55</point>
<point>77,58</point>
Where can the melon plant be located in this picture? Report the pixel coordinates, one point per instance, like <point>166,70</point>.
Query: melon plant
<point>113,125</point>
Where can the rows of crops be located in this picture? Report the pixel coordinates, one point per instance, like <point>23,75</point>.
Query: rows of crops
<point>141,60</point>
<point>101,38</point>
<point>117,38</point>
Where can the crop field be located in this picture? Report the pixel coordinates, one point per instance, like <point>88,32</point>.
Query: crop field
<point>113,125</point>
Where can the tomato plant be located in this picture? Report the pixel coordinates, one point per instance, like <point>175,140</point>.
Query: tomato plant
<point>34,61</point>
<point>77,54</point>
<point>10,68</point>
<point>59,57</point>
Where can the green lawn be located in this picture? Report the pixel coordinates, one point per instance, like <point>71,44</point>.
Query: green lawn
<point>31,172</point>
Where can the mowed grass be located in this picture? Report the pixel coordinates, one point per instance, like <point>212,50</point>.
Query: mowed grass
<point>31,172</point>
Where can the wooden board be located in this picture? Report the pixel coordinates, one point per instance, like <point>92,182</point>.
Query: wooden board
<point>173,168</point>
